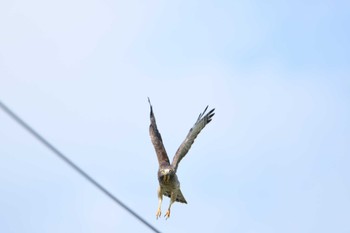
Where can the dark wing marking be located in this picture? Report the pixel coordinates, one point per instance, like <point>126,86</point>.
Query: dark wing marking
<point>157,140</point>
<point>191,136</point>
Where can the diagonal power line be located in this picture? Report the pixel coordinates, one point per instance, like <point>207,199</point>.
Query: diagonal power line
<point>71,164</point>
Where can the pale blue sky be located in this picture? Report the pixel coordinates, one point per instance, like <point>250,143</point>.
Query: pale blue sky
<point>275,158</point>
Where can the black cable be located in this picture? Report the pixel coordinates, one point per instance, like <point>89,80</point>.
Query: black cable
<point>70,163</point>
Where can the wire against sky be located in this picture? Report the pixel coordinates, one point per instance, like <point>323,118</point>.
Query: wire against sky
<point>70,163</point>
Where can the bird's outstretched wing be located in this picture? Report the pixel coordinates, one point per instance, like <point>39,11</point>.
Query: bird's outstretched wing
<point>157,140</point>
<point>201,122</point>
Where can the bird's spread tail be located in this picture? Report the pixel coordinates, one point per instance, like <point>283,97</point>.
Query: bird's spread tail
<point>180,197</point>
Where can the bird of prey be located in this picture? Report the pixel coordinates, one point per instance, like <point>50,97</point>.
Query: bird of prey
<point>169,184</point>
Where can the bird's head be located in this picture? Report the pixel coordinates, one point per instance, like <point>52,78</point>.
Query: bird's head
<point>166,171</point>
<point>165,174</point>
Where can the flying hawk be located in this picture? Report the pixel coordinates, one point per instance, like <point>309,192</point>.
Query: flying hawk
<point>169,184</point>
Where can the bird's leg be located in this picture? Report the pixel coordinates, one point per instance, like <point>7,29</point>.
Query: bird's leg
<point>160,199</point>
<point>172,200</point>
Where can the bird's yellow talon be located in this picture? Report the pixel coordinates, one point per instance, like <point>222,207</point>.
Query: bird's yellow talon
<point>159,213</point>
<point>167,214</point>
